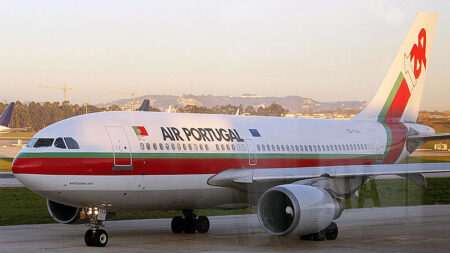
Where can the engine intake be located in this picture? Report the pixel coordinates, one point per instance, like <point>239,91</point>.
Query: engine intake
<point>297,209</point>
<point>62,213</point>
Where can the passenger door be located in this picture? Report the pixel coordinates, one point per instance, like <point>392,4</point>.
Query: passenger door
<point>252,160</point>
<point>121,148</point>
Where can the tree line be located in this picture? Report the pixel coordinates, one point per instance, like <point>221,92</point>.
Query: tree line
<point>39,115</point>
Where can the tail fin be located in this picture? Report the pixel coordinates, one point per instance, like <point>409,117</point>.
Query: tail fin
<point>398,98</point>
<point>6,115</point>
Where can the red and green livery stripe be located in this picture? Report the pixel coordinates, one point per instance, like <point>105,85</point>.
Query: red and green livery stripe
<point>390,116</point>
<point>140,130</point>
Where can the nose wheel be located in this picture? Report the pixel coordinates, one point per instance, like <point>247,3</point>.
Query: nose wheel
<point>190,223</point>
<point>96,237</point>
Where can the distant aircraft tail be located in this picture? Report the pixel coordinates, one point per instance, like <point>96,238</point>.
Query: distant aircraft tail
<point>398,98</point>
<point>6,115</point>
<point>145,106</point>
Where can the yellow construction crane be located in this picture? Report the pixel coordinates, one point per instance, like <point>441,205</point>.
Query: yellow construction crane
<point>65,89</point>
<point>133,95</point>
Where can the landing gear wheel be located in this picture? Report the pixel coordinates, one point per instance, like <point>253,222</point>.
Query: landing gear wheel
<point>89,238</point>
<point>202,224</point>
<point>99,238</point>
<point>320,236</point>
<point>177,224</point>
<point>189,224</point>
<point>331,232</point>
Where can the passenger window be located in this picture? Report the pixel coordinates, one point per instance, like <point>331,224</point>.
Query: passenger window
<point>43,142</point>
<point>222,146</point>
<point>184,146</point>
<point>195,146</point>
<point>217,146</point>
<point>292,148</point>
<point>268,147</point>
<point>258,147</point>
<point>148,146</point>
<point>238,147</point>
<point>328,148</point>
<point>206,147</point>
<point>296,147</point>
<point>142,145</point>
<point>335,147</point>
<point>190,146</point>
<point>365,146</point>
<point>318,147</point>
<point>59,143</point>
<point>178,146</point>
<point>331,147</point>
<point>228,147</point>
<point>287,147</point>
<point>301,147</point>
<point>201,146</point>
<point>310,148</point>
<point>278,147</point>
<point>155,147</point>
<point>161,146</point>
<point>282,147</point>
<point>71,143</point>
<point>243,147</point>
<point>233,147</point>
<point>346,145</point>
<point>315,149</point>
<point>263,147</point>
<point>173,146</point>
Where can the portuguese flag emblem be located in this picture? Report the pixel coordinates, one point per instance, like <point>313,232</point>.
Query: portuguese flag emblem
<point>140,130</point>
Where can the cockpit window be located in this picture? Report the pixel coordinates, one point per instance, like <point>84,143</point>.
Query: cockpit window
<point>31,142</point>
<point>71,143</point>
<point>43,142</point>
<point>59,143</point>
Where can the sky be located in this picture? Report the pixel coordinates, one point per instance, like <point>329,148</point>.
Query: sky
<point>324,50</point>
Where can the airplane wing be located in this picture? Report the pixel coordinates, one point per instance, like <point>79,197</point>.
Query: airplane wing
<point>429,137</point>
<point>234,177</point>
<point>22,129</point>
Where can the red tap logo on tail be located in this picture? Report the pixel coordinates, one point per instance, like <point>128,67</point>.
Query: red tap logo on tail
<point>418,53</point>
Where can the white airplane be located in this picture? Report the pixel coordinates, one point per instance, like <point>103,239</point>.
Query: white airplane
<point>294,170</point>
<point>5,118</point>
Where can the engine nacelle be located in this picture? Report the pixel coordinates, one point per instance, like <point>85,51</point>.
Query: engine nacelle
<point>294,209</point>
<point>62,213</point>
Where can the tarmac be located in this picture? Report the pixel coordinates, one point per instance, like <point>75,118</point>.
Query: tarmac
<point>392,229</point>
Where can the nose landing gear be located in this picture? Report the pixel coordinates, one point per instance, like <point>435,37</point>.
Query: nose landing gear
<point>190,223</point>
<point>96,237</point>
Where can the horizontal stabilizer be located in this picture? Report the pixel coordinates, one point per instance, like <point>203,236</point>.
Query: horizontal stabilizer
<point>429,137</point>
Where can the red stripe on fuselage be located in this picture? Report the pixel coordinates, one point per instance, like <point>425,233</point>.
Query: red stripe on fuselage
<point>103,166</point>
<point>399,132</point>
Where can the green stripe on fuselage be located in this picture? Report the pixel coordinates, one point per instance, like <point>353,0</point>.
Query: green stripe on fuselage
<point>192,155</point>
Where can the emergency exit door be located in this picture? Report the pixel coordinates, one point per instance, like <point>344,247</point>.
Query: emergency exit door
<point>120,147</point>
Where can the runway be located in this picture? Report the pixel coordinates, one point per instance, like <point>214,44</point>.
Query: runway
<point>393,229</point>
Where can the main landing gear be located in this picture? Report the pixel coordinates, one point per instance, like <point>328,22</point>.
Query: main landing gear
<point>96,237</point>
<point>329,233</point>
<point>189,223</point>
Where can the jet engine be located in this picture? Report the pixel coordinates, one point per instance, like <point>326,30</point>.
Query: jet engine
<point>62,213</point>
<point>298,210</point>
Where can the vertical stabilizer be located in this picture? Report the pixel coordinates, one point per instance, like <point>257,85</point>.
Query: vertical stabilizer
<point>6,115</point>
<point>398,98</point>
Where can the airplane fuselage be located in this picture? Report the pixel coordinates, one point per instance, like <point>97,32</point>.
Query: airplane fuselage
<point>157,161</point>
